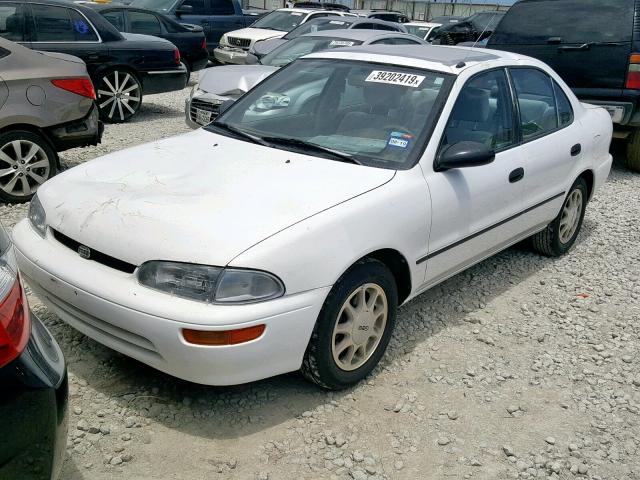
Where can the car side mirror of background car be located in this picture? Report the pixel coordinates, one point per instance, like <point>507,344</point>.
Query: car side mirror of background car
<point>464,154</point>
<point>184,10</point>
<point>251,59</point>
<point>225,106</point>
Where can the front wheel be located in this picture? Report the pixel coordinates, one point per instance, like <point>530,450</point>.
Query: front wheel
<point>560,235</point>
<point>353,328</point>
<point>119,96</point>
<point>633,151</point>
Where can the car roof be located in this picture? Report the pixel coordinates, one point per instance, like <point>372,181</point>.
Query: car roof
<point>423,24</point>
<point>434,57</point>
<point>350,20</point>
<point>309,10</point>
<point>358,34</point>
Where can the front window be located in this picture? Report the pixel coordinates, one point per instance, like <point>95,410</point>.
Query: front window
<point>360,112</point>
<point>280,20</point>
<point>290,51</point>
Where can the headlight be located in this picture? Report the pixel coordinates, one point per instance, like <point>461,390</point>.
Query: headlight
<point>196,90</point>
<point>223,40</point>
<point>37,216</point>
<point>210,284</point>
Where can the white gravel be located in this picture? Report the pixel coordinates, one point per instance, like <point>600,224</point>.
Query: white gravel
<point>521,367</point>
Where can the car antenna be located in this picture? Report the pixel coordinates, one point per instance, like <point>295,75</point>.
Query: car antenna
<point>485,29</point>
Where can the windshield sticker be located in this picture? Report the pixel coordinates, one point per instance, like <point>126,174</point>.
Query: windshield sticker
<point>395,78</point>
<point>438,81</point>
<point>296,14</point>
<point>81,27</point>
<point>423,29</point>
<point>336,22</point>
<point>340,43</point>
<point>399,140</point>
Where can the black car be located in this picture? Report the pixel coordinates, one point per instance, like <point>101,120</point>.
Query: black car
<point>475,28</point>
<point>122,66</point>
<point>190,40</point>
<point>33,384</point>
<point>594,45</point>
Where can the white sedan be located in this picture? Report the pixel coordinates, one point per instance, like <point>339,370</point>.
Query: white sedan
<point>284,235</point>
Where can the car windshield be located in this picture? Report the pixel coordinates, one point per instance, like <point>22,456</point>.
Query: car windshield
<point>485,21</point>
<point>280,20</point>
<point>368,113</point>
<point>418,30</point>
<point>156,5</point>
<point>290,51</point>
<point>316,26</point>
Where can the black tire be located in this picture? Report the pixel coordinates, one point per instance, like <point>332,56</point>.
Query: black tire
<point>318,364</point>
<point>633,151</point>
<point>34,170</point>
<point>548,242</point>
<point>116,102</point>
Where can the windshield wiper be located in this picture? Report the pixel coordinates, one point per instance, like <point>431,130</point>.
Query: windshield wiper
<point>241,133</point>
<point>308,146</point>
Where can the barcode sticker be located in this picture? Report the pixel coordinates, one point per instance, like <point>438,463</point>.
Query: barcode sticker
<point>395,78</point>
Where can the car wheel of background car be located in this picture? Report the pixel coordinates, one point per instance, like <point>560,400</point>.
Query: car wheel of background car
<point>186,66</point>
<point>353,328</point>
<point>119,95</point>
<point>26,162</point>
<point>633,151</point>
<point>559,236</point>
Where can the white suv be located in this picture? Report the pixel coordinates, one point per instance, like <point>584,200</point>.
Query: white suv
<point>234,46</point>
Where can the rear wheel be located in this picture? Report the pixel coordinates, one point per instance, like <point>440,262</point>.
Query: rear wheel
<point>119,95</point>
<point>633,151</point>
<point>26,162</point>
<point>186,66</point>
<point>354,327</point>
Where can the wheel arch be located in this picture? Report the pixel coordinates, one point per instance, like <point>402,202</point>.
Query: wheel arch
<point>590,178</point>
<point>399,267</point>
<point>35,130</point>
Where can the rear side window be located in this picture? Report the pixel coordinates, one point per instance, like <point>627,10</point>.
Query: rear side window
<point>565,112</point>
<point>12,22</point>
<point>198,6</point>
<point>570,21</point>
<point>60,24</point>
<point>144,23</point>
<point>222,7</point>
<point>536,102</point>
<point>115,18</point>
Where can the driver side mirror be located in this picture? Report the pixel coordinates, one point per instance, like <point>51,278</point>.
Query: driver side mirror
<point>184,10</point>
<point>464,154</point>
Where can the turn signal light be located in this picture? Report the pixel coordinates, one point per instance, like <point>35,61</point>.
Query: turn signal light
<point>223,337</point>
<point>15,326</point>
<point>79,86</point>
<point>633,77</point>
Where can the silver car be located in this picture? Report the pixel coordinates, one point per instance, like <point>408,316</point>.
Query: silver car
<point>220,84</point>
<point>46,106</point>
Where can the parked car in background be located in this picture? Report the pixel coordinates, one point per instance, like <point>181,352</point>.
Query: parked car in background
<point>423,30</point>
<point>228,83</point>
<point>190,41</point>
<point>472,29</point>
<point>33,379</point>
<point>446,20</point>
<point>292,267</point>
<point>216,17</point>
<point>593,45</point>
<point>122,66</point>
<point>261,48</point>
<point>235,45</point>
<point>387,15</point>
<point>46,106</point>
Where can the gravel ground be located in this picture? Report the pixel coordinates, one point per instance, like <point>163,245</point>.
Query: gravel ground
<point>521,367</point>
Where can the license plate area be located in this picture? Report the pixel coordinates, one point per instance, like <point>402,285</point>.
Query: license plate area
<point>203,117</point>
<point>616,112</point>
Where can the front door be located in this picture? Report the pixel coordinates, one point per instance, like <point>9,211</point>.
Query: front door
<point>475,211</point>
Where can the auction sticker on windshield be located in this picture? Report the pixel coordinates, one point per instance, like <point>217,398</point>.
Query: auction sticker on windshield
<point>395,78</point>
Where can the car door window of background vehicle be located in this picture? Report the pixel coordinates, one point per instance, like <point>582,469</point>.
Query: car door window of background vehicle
<point>60,24</point>
<point>565,112</point>
<point>536,102</point>
<point>222,7</point>
<point>198,7</point>
<point>483,113</point>
<point>144,23</point>
<point>570,21</point>
<point>12,22</point>
<point>115,18</point>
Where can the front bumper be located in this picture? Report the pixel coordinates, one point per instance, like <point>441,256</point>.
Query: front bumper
<point>34,410</point>
<point>111,307</point>
<point>79,133</point>
<point>202,109</point>
<point>161,81</point>
<point>230,55</point>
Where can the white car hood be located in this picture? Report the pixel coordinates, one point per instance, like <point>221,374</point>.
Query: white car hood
<point>254,34</point>
<point>198,197</point>
<point>228,79</point>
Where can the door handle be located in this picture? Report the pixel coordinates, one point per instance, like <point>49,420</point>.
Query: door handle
<point>516,175</point>
<point>576,149</point>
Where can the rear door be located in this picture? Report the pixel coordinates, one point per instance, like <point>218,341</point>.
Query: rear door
<point>588,42</point>
<point>13,21</point>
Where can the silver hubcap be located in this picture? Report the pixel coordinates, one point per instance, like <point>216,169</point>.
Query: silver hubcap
<point>360,326</point>
<point>24,166</point>
<point>570,215</point>
<point>119,95</point>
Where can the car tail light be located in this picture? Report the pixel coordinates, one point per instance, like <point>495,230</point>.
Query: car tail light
<point>633,77</point>
<point>15,326</point>
<point>176,56</point>
<point>204,44</point>
<point>79,86</point>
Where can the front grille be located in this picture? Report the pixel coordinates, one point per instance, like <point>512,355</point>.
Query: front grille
<point>211,107</point>
<point>94,255</point>
<point>243,43</point>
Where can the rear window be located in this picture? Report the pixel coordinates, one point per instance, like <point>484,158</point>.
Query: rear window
<point>572,21</point>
